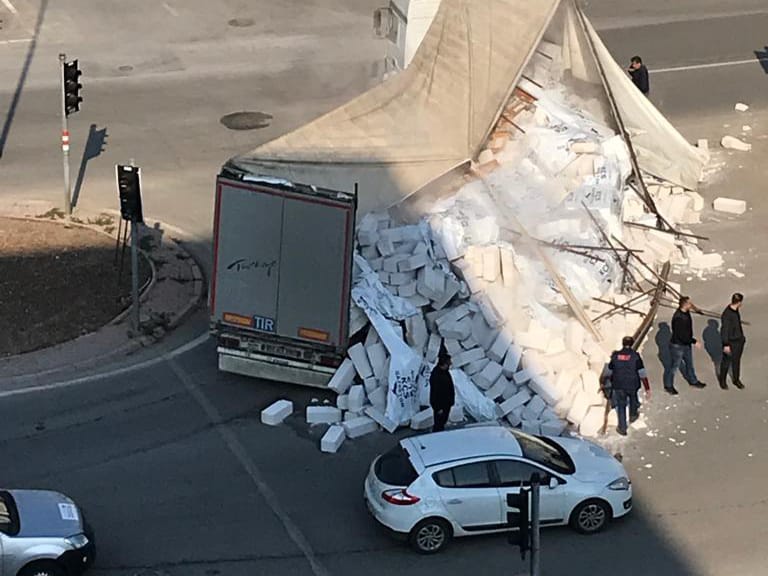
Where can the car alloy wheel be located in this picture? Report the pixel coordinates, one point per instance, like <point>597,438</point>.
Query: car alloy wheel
<point>591,517</point>
<point>430,536</point>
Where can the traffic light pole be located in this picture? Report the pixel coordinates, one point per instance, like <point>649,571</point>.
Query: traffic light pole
<point>535,541</point>
<point>65,141</point>
<point>135,272</point>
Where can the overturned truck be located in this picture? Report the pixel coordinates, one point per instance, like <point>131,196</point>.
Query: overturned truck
<point>509,197</point>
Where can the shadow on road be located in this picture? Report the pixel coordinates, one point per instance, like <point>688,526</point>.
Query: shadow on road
<point>713,344</point>
<point>762,57</point>
<point>94,146</point>
<point>22,78</point>
<point>663,338</point>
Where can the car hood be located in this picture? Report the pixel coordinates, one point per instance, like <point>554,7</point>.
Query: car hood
<point>593,463</point>
<point>45,514</point>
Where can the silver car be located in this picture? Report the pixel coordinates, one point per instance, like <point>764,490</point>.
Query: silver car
<point>43,533</point>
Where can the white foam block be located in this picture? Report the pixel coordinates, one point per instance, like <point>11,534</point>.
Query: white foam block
<point>531,427</point>
<point>332,439</point>
<point>356,398</point>
<point>553,427</point>
<point>510,390</point>
<point>452,288</point>
<point>459,330</point>
<point>423,420</point>
<point>523,376</point>
<point>457,414</point>
<point>733,143</point>
<point>407,290</point>
<point>488,375</point>
<point>343,377</point>
<point>453,315</point>
<point>508,270</point>
<point>545,389</point>
<point>697,199</point>
<point>342,402</point>
<point>534,408</point>
<point>275,413</point>
<point>579,407</point>
<point>453,346</point>
<point>512,360</point>
<point>416,331</point>
<point>414,263</point>
<point>491,264</point>
<point>378,398</point>
<point>515,417</point>
<point>464,358</point>
<point>475,367</point>
<point>377,357</point>
<point>516,401</point>
<point>323,415</point>
<point>360,359</point>
<point>500,346</point>
<point>433,348</point>
<point>400,278</point>
<point>378,416</point>
<point>490,312</point>
<point>730,205</point>
<point>370,384</point>
<point>360,426</point>
<point>592,422</point>
<point>498,388</point>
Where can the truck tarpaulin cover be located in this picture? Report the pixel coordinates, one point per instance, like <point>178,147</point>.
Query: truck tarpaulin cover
<point>437,114</point>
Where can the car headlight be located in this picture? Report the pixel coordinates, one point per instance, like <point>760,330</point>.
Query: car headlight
<point>78,540</point>
<point>619,484</point>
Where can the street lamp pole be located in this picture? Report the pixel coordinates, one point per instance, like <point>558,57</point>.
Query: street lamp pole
<point>65,139</point>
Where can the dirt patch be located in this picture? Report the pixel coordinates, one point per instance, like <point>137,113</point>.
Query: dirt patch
<point>57,282</point>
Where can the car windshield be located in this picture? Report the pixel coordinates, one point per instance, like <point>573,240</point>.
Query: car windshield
<point>545,452</point>
<point>8,515</point>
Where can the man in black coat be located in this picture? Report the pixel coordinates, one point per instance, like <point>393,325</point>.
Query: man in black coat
<point>639,74</point>
<point>680,348</point>
<point>733,339</point>
<point>441,392</point>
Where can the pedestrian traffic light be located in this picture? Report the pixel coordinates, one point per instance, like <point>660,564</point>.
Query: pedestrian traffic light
<point>519,519</point>
<point>72,87</point>
<point>129,188</point>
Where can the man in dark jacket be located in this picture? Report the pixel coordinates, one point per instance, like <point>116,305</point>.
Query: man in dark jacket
<point>639,74</point>
<point>626,371</point>
<point>441,392</point>
<point>733,339</point>
<point>680,348</point>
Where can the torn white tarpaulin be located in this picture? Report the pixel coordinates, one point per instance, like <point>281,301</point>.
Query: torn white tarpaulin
<point>474,402</point>
<point>368,289</point>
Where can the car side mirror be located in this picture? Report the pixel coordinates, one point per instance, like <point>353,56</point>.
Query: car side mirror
<point>553,483</point>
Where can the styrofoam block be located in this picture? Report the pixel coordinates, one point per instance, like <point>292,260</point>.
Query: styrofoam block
<point>343,377</point>
<point>377,357</point>
<point>733,143</point>
<point>385,247</point>
<point>370,384</point>
<point>423,420</point>
<point>515,417</point>
<point>535,341</point>
<point>703,261</point>
<point>481,332</point>
<point>512,360</point>
<point>359,358</point>
<point>430,282</point>
<point>730,205</point>
<point>367,237</point>
<point>523,376</point>
<point>400,278</point>
<point>697,201</point>
<point>544,388</point>
<point>548,414</point>
<point>371,338</point>
<point>378,398</point>
<point>332,439</point>
<point>360,426</point>
<point>565,380</point>
<point>357,320</point>
<point>490,312</point>
<point>433,348</point>
<point>531,427</point>
<point>498,388</point>
<point>408,233</point>
<point>491,263</point>
<point>323,415</point>
<point>414,262</point>
<point>275,413</point>
<point>405,248</point>
<point>469,343</point>
<point>452,288</point>
<point>457,414</point>
<point>369,253</point>
<point>383,276</point>
<point>510,390</point>
<point>556,346</point>
<point>342,402</point>
<point>579,408</point>
<point>378,416</point>
<point>553,427</point>
<point>741,107</point>
<point>454,315</point>
<point>391,263</point>
<point>518,400</point>
<point>475,283</point>
<point>508,269</point>
<point>416,331</point>
<point>376,263</point>
<point>534,408</point>
<point>488,375</point>
<point>458,330</point>
<point>464,358</point>
<point>418,301</point>
<point>356,398</point>
<point>500,346</point>
<point>406,290</point>
<point>351,415</point>
<point>592,422</point>
<point>453,346</point>
<point>475,367</point>
<point>590,382</point>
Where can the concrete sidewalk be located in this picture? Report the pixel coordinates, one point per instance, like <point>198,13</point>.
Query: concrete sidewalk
<point>174,292</point>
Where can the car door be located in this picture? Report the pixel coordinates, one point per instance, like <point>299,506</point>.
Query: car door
<point>512,474</point>
<point>468,493</point>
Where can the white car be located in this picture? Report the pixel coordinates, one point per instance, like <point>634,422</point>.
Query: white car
<point>436,486</point>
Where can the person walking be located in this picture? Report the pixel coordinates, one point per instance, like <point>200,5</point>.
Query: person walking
<point>680,348</point>
<point>732,335</point>
<point>639,74</point>
<point>442,394</point>
<point>626,372</point>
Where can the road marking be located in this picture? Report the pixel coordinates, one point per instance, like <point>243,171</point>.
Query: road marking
<point>11,7</point>
<point>754,60</point>
<point>250,467</point>
<point>104,375</point>
<point>171,10</point>
<point>16,41</point>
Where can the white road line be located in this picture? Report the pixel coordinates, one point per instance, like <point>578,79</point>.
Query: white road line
<point>11,7</point>
<point>250,467</point>
<point>103,376</point>
<point>16,41</point>
<point>754,60</point>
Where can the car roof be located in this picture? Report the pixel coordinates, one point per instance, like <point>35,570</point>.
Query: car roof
<point>464,443</point>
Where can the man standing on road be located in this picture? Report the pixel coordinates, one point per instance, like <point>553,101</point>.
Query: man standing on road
<point>441,392</point>
<point>733,339</point>
<point>680,348</point>
<point>639,74</point>
<point>626,371</point>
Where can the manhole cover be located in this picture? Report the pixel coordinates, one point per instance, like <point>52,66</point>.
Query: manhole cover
<point>241,22</point>
<point>125,68</point>
<point>246,120</point>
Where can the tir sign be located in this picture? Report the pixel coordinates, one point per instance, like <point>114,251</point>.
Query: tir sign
<point>263,324</point>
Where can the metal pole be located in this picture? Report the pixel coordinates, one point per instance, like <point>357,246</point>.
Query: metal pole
<point>535,541</point>
<point>65,140</point>
<point>135,271</point>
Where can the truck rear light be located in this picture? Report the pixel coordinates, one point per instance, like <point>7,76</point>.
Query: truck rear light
<point>400,497</point>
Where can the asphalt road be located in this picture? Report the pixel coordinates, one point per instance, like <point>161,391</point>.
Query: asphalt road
<point>171,462</point>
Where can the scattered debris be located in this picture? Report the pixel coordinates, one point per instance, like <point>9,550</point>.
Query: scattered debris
<point>733,143</point>
<point>740,107</point>
<point>730,205</point>
<point>735,273</point>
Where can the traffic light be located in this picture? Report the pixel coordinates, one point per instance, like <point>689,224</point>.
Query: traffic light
<point>72,87</point>
<point>520,519</point>
<point>129,188</point>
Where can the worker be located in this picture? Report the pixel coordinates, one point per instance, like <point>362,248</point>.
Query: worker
<point>732,335</point>
<point>625,371</point>
<point>639,74</point>
<point>442,394</point>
